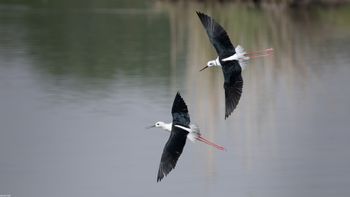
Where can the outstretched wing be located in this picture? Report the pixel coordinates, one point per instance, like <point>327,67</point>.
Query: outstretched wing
<point>172,151</point>
<point>180,111</point>
<point>217,35</point>
<point>233,85</point>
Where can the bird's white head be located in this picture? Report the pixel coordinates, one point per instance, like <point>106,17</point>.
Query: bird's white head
<point>159,124</point>
<point>162,125</point>
<point>211,63</point>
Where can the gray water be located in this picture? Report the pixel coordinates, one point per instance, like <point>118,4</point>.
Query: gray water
<point>79,84</point>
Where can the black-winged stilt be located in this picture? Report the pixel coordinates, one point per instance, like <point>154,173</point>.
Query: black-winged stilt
<point>180,130</point>
<point>232,60</point>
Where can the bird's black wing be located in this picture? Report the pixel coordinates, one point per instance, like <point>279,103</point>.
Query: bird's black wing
<point>172,151</point>
<point>180,111</point>
<point>233,85</point>
<point>217,35</point>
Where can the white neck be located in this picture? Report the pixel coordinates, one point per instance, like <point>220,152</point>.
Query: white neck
<point>166,126</point>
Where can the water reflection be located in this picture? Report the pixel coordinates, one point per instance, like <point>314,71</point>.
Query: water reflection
<point>79,83</point>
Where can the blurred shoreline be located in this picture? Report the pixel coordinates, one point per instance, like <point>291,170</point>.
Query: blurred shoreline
<point>284,3</point>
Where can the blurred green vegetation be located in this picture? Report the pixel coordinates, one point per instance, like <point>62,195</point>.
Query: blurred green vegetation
<point>68,4</point>
<point>339,16</point>
<point>86,46</point>
<point>273,2</point>
<point>96,45</point>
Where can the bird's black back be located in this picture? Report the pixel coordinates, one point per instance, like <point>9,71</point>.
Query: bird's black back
<point>217,36</point>
<point>172,151</point>
<point>180,111</point>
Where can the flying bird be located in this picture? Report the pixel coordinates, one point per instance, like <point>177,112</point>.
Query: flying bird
<point>180,130</point>
<point>232,61</point>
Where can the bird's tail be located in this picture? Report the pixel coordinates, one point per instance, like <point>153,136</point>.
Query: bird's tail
<point>239,49</point>
<point>195,129</point>
<point>195,132</point>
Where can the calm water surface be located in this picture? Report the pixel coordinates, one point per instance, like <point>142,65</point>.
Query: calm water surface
<point>79,85</point>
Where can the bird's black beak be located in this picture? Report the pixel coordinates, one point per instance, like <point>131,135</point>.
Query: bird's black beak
<point>149,127</point>
<point>203,68</point>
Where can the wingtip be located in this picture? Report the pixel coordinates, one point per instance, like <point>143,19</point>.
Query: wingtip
<point>178,94</point>
<point>159,177</point>
<point>227,115</point>
<point>179,104</point>
<point>200,14</point>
